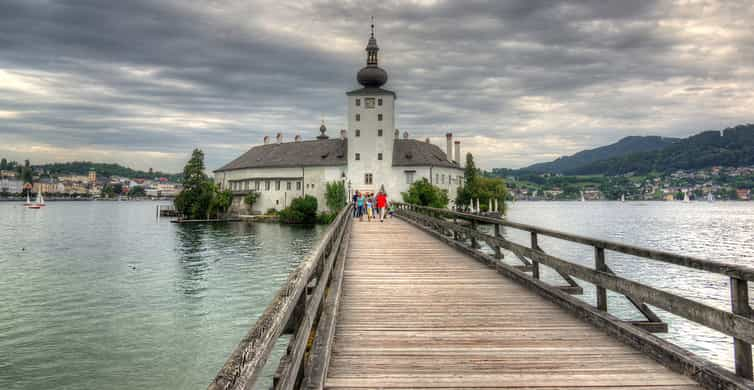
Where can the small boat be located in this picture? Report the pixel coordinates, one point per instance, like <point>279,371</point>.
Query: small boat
<point>582,196</point>
<point>686,197</point>
<point>39,203</point>
<point>622,197</point>
<point>710,197</point>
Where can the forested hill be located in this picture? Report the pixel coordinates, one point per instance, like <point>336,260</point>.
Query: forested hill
<point>623,147</point>
<point>102,169</point>
<point>733,147</point>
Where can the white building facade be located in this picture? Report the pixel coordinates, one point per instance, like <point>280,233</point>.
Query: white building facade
<point>370,156</point>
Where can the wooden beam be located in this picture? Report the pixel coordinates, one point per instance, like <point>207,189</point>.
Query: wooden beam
<point>739,294</point>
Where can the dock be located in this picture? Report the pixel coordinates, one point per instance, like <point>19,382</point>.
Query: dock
<point>416,302</point>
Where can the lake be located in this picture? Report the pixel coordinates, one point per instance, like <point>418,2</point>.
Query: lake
<point>104,295</point>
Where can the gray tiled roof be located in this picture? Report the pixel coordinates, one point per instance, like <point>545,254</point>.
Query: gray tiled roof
<point>321,152</point>
<point>413,152</point>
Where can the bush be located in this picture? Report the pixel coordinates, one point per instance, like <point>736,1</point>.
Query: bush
<point>335,196</point>
<point>326,218</point>
<point>250,199</point>
<point>423,193</point>
<point>271,211</point>
<point>301,211</point>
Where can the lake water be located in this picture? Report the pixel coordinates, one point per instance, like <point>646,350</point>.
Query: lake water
<point>97,295</point>
<point>101,295</point>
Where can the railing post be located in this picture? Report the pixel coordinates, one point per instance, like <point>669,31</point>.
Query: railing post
<point>455,232</point>
<point>599,265</point>
<point>534,263</point>
<point>498,254</point>
<point>739,299</point>
<point>474,243</point>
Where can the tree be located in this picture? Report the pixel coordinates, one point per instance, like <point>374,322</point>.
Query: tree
<point>482,188</point>
<point>423,193</point>
<point>250,199</point>
<point>303,210</point>
<point>196,198</point>
<point>3,164</point>
<point>137,192</point>
<point>221,201</point>
<point>335,196</point>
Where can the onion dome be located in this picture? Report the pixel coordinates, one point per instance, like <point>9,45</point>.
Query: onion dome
<point>372,76</point>
<point>322,131</point>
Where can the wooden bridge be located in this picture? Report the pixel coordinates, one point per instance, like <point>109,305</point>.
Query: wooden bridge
<point>415,302</point>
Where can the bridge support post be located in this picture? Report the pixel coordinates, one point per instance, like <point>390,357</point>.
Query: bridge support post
<point>534,263</point>
<point>739,298</point>
<point>600,266</point>
<point>498,254</point>
<point>474,242</point>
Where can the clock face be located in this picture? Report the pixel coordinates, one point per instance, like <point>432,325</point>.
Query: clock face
<point>369,102</point>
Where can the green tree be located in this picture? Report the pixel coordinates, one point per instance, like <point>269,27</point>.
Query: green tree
<point>250,199</point>
<point>423,193</point>
<point>335,196</point>
<point>195,199</point>
<point>303,210</point>
<point>3,164</point>
<point>137,192</point>
<point>221,202</point>
<point>482,188</point>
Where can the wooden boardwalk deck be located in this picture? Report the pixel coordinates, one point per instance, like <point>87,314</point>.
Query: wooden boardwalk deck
<point>416,313</point>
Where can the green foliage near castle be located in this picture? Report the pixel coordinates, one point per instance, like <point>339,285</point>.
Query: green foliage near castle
<point>482,188</point>
<point>201,198</point>
<point>302,210</point>
<point>423,193</point>
<point>335,196</point>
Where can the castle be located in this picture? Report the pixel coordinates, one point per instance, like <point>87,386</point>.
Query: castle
<point>371,155</point>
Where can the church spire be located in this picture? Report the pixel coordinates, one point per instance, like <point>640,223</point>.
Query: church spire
<point>372,76</point>
<point>372,48</point>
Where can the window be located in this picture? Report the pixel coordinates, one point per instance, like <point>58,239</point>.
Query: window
<point>277,185</point>
<point>358,156</point>
<point>288,186</point>
<point>358,102</point>
<point>358,117</point>
<point>369,102</point>
<point>410,177</point>
<point>298,185</point>
<point>358,133</point>
<point>379,156</point>
<point>266,185</point>
<point>312,185</point>
<point>379,117</point>
<point>379,132</point>
<point>367,178</point>
<point>256,185</point>
<point>379,101</point>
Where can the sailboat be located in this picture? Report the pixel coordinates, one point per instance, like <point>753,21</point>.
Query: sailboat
<point>39,203</point>
<point>710,197</point>
<point>582,196</point>
<point>622,197</point>
<point>686,197</point>
<point>28,201</point>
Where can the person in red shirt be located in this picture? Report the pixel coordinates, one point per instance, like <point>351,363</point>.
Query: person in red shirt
<point>382,205</point>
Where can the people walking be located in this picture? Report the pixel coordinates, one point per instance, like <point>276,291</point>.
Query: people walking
<point>360,205</point>
<point>355,200</point>
<point>370,206</point>
<point>381,205</point>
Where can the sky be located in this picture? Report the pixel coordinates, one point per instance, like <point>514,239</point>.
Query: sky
<point>142,83</point>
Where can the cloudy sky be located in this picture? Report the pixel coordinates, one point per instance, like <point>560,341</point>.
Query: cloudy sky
<point>143,82</point>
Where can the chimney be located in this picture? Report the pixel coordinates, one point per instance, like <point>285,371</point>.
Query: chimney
<point>397,134</point>
<point>426,140</point>
<point>458,153</point>
<point>297,138</point>
<point>449,146</point>
<point>343,134</point>
<point>405,135</point>
<point>279,138</point>
<point>266,139</point>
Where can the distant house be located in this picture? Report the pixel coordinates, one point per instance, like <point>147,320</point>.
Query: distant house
<point>743,194</point>
<point>11,186</point>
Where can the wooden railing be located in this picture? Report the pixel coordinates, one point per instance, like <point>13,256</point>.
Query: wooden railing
<point>305,306</point>
<point>460,230</point>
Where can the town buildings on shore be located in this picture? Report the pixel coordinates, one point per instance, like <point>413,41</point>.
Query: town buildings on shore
<point>371,155</point>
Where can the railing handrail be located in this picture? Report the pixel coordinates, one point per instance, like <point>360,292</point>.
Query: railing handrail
<point>732,270</point>
<point>245,363</point>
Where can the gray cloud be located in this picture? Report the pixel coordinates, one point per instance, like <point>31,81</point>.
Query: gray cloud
<point>143,82</point>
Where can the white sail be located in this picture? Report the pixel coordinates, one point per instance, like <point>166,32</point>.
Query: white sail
<point>622,197</point>
<point>39,197</point>
<point>28,200</point>
<point>686,197</point>
<point>582,196</point>
<point>710,197</point>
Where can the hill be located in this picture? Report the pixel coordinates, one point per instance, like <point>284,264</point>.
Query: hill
<point>102,169</point>
<point>625,146</point>
<point>732,147</point>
